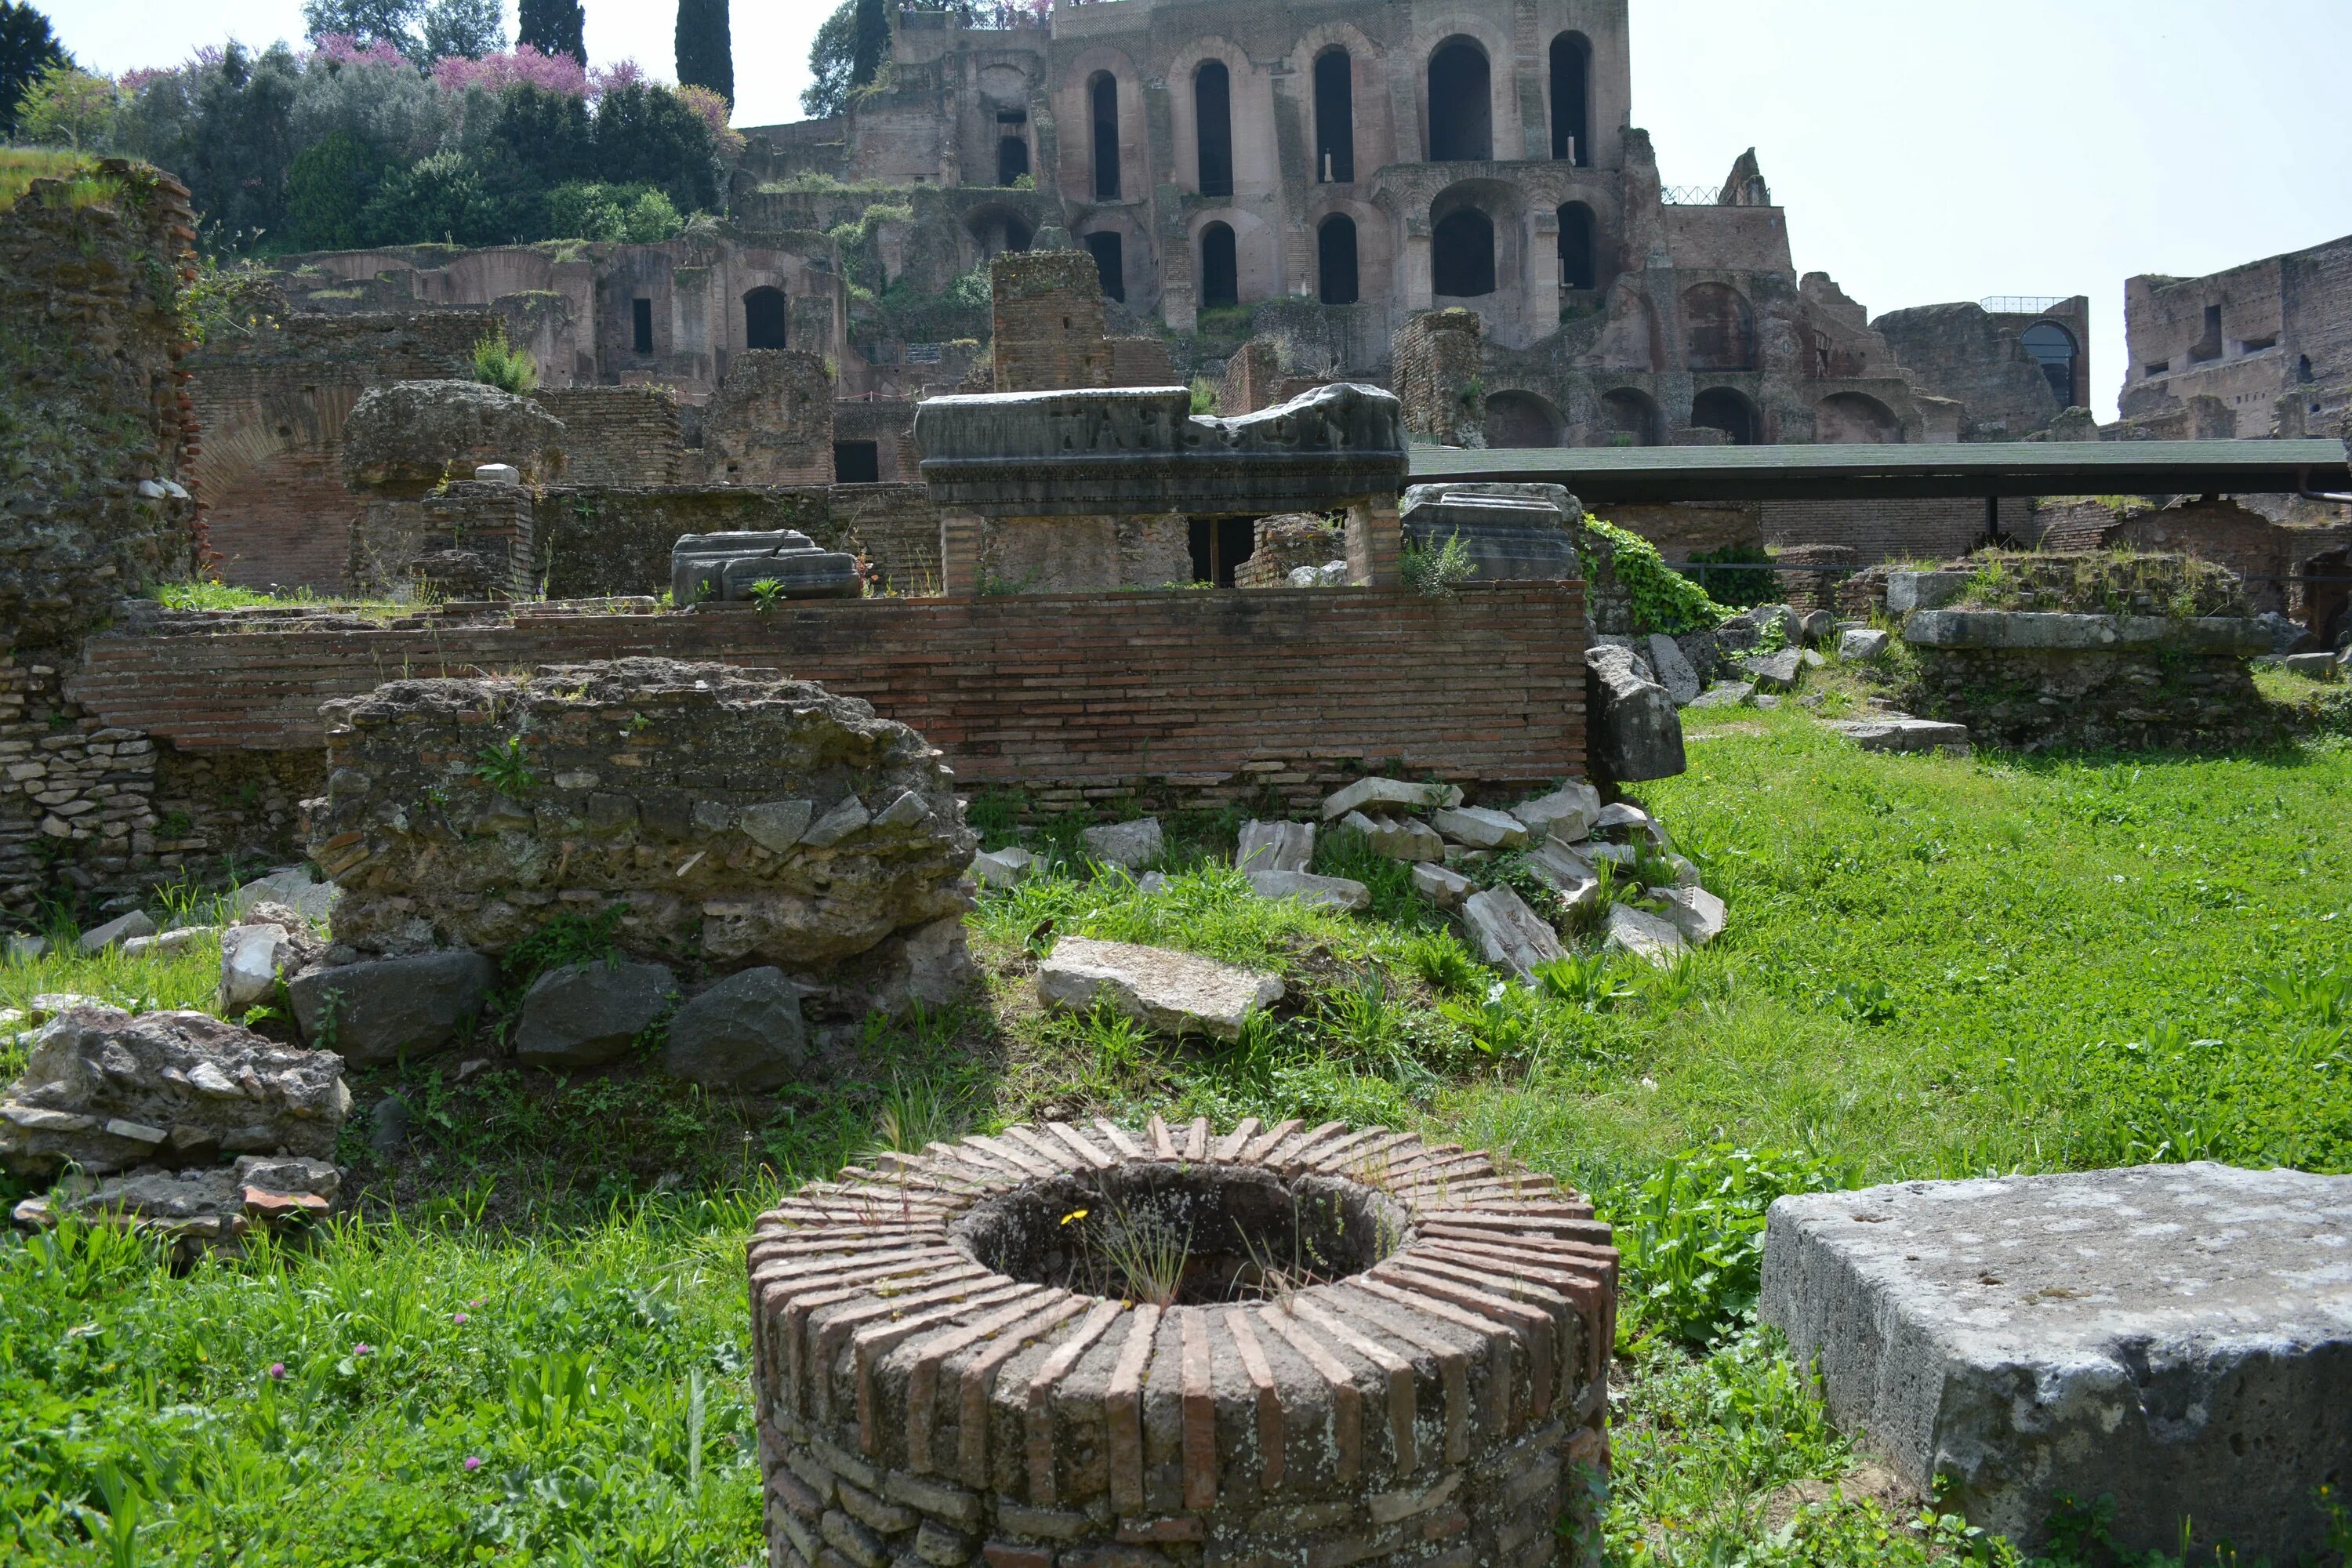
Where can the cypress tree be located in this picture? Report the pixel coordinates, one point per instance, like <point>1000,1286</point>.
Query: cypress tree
<point>554,27</point>
<point>706,52</point>
<point>871,43</point>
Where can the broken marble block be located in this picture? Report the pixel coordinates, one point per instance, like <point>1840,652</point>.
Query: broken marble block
<point>1641,935</point>
<point>1508,933</point>
<point>1481,828</point>
<point>1002,868</point>
<point>1275,847</point>
<point>1441,885</point>
<point>1567,814</point>
<point>1389,795</point>
<point>1133,845</point>
<point>1323,892</point>
<point>2177,1339</point>
<point>104,1091</point>
<point>1693,911</point>
<point>1404,838</point>
<point>1170,993</point>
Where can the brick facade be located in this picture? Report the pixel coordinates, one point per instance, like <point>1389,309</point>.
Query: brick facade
<point>619,435</point>
<point>1436,378</point>
<point>1078,698</point>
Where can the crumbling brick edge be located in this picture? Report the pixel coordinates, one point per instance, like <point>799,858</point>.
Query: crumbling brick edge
<point>1446,1407</point>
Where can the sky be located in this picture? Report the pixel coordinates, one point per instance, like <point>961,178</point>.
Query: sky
<point>1924,151</point>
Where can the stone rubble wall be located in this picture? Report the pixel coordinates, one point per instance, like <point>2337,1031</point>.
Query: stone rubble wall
<point>1445,1408</point>
<point>1270,699</point>
<point>742,819</point>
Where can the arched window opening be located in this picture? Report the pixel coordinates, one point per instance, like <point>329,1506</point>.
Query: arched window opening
<point>1011,160</point>
<point>1103,94</point>
<point>1579,265</point>
<point>1110,264</point>
<point>1724,409</point>
<point>1721,328</point>
<point>1461,111</point>
<point>1212,124</point>
<point>2053,348</point>
<point>1221,273</point>
<point>1462,255</point>
<point>1335,245</point>
<point>763,319</point>
<point>1335,118</point>
<point>1571,99</point>
<point>1631,417</point>
<point>1521,419</point>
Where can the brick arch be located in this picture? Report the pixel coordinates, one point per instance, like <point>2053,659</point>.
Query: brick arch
<point>1258,265</point>
<point>1434,30</point>
<point>1377,252</point>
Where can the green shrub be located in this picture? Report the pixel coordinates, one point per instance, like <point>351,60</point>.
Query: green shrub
<point>1692,1237</point>
<point>1437,573</point>
<point>500,363</point>
<point>1663,600</point>
<point>1738,590</point>
<point>1204,396</point>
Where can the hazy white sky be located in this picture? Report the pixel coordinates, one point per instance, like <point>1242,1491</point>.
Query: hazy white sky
<point>1926,152</point>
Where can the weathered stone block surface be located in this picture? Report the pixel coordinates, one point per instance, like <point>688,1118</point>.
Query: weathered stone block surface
<point>106,1091</point>
<point>469,813</point>
<point>745,1031</point>
<point>1635,732</point>
<point>586,1015</point>
<point>956,1385</point>
<point>384,1009</point>
<point>414,435</point>
<point>1510,531</point>
<point>1171,992</point>
<point>2177,1338</point>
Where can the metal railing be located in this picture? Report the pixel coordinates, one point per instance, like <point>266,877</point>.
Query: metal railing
<point>2022,304</point>
<point>1690,195</point>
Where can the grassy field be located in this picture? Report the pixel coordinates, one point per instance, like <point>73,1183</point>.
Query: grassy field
<point>530,1346</point>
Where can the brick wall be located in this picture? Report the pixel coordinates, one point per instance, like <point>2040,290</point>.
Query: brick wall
<point>896,527</point>
<point>1684,529</point>
<point>771,421</point>
<point>619,435</point>
<point>1437,357</point>
<point>1218,697</point>
<point>271,405</point>
<point>1048,314</point>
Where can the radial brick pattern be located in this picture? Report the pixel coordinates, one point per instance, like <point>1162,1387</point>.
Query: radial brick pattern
<point>1443,1403</point>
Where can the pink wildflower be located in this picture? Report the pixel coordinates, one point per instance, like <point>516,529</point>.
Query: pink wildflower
<point>277,1370</point>
<point>473,1463</point>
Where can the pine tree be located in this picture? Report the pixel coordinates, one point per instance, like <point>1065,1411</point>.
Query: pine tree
<point>554,27</point>
<point>706,52</point>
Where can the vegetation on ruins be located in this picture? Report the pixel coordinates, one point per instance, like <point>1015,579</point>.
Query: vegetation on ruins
<point>1663,600</point>
<point>534,1344</point>
<point>1438,571</point>
<point>368,138</point>
<point>498,362</point>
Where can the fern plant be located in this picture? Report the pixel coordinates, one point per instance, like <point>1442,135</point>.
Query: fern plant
<point>1438,573</point>
<point>498,362</point>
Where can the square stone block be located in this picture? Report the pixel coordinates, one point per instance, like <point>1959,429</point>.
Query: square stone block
<point>2177,1338</point>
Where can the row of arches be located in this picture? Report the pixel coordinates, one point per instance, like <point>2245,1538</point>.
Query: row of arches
<point>1460,117</point>
<point>1629,417</point>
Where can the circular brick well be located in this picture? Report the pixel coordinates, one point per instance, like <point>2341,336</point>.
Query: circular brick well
<point>1272,1347</point>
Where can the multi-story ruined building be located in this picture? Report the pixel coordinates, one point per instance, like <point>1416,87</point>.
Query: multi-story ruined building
<point>1359,164</point>
<point>2270,342</point>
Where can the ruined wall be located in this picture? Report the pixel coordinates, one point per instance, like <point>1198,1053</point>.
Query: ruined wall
<point>270,394</point>
<point>1877,531</point>
<point>771,422</point>
<point>1080,698</point>
<point>896,529</point>
<point>96,437</point>
<point>1684,529</point>
<point>1960,351</point>
<point>626,436</point>
<point>2269,556</point>
<point>1047,314</point>
<point>2272,341</point>
<point>1437,378</point>
<point>889,424</point>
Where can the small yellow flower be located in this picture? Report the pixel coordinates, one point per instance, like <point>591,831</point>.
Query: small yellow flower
<point>1074,1214</point>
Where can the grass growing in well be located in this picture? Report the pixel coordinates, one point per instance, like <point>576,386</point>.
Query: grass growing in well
<point>1936,967</point>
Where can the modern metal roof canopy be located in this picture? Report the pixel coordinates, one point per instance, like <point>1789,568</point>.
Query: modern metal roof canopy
<point>1614,474</point>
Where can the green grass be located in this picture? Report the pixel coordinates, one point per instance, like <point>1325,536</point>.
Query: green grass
<point>1936,968</point>
<point>202,595</point>
<point>20,167</point>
